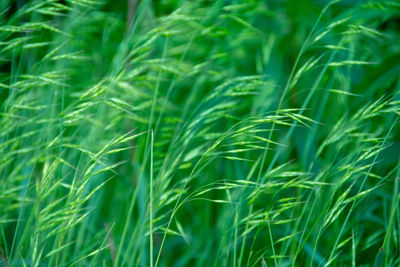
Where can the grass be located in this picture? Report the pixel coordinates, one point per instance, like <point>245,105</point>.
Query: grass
<point>199,133</point>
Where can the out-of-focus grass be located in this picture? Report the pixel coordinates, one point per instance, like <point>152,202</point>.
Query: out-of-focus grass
<point>199,133</point>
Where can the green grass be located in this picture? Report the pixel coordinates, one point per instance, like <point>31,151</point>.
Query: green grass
<point>199,133</point>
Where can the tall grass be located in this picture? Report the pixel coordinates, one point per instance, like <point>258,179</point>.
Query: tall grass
<point>199,133</point>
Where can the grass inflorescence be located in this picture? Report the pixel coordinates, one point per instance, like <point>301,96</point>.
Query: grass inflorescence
<point>199,133</point>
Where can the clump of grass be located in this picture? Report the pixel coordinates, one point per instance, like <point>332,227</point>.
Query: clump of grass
<point>196,133</point>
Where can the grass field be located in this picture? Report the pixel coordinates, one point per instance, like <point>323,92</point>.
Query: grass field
<point>199,133</point>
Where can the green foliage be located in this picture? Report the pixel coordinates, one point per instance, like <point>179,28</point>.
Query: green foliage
<point>199,133</point>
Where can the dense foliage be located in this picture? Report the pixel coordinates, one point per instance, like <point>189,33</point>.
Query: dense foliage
<point>199,133</point>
